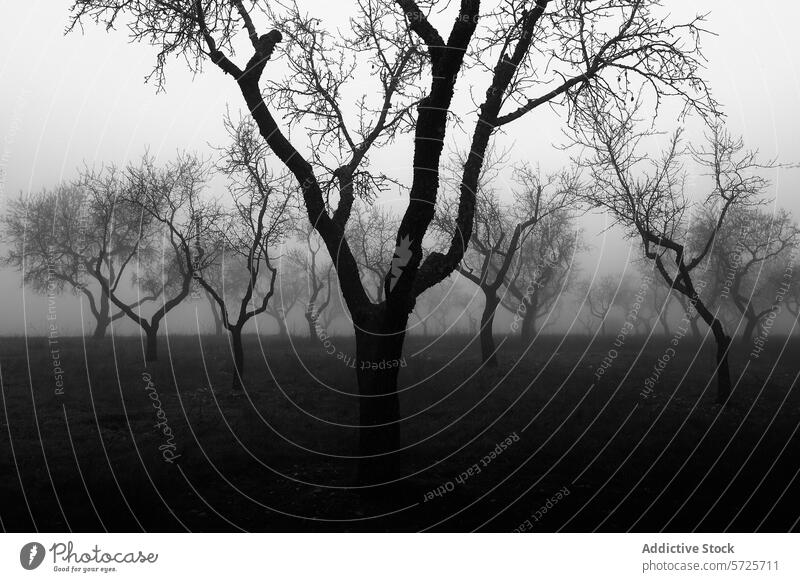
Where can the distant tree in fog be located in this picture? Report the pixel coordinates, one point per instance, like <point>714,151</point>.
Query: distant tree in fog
<point>646,195</point>
<point>788,279</point>
<point>159,256</point>
<point>533,54</point>
<point>545,271</point>
<point>637,298</point>
<point>464,303</point>
<point>708,282</point>
<point>600,295</point>
<point>213,274</point>
<point>310,258</point>
<point>245,237</point>
<point>750,244</point>
<point>502,229</point>
<point>433,308</point>
<point>57,236</point>
<point>335,309</point>
<point>290,289</point>
<point>372,233</point>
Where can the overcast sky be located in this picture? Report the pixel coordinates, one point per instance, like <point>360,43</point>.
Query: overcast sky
<point>81,97</point>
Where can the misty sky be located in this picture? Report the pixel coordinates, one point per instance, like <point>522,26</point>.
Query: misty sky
<point>69,99</point>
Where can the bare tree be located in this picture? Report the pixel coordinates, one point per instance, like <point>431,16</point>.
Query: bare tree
<point>501,230</point>
<point>318,273</point>
<point>422,313</point>
<point>216,314</point>
<point>334,309</point>
<point>634,295</point>
<point>372,234</point>
<point>647,197</point>
<point>256,223</point>
<point>533,53</point>
<point>291,289</point>
<point>53,236</point>
<point>746,248</point>
<point>785,283</point>
<point>600,297</point>
<point>545,271</point>
<point>463,301</point>
<point>158,258</point>
<point>433,307</point>
<point>691,314</point>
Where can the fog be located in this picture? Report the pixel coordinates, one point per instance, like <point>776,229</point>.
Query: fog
<point>80,98</point>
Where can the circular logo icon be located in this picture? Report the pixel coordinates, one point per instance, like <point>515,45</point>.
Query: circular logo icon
<point>31,555</point>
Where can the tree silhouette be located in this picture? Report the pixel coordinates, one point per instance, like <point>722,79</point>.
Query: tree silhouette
<point>372,233</point>
<point>786,281</point>
<point>748,246</point>
<point>308,257</point>
<point>257,222</point>
<point>290,291</point>
<point>600,297</point>
<point>647,197</point>
<point>53,236</point>
<point>158,253</point>
<point>501,230</point>
<point>545,271</point>
<point>433,307</point>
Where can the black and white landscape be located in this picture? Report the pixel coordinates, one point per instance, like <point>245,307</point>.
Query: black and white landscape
<point>397,265</point>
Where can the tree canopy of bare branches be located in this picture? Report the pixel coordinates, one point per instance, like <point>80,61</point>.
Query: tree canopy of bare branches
<point>168,199</point>
<point>244,238</point>
<point>502,230</point>
<point>53,236</point>
<point>647,197</point>
<point>747,248</point>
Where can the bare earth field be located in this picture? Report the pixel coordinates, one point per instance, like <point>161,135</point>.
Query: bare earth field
<point>537,445</point>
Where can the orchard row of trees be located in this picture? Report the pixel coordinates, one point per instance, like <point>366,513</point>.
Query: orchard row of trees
<point>137,241</point>
<point>150,234</point>
<point>588,62</point>
<point>523,57</point>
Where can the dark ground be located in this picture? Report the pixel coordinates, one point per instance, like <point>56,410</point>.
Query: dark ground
<point>277,457</point>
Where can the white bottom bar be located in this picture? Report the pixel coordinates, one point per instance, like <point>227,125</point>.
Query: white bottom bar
<point>401,557</point>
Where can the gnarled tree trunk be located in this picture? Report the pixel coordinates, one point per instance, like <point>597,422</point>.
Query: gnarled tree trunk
<point>100,328</point>
<point>238,357</point>
<point>488,348</point>
<point>102,316</point>
<point>723,368</point>
<point>151,346</point>
<point>527,329</point>
<point>723,345</point>
<point>312,318</point>
<point>379,351</point>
